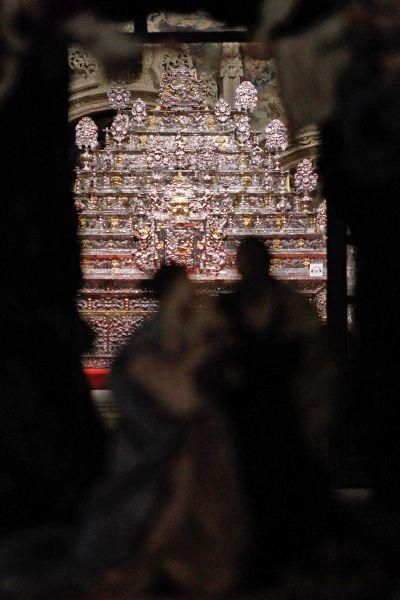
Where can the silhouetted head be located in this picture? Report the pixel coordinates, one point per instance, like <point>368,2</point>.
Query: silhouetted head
<point>253,259</point>
<point>166,278</point>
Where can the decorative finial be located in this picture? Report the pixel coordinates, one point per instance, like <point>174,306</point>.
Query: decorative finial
<point>321,220</point>
<point>139,112</point>
<point>119,96</point>
<point>182,89</point>
<point>276,136</point>
<point>305,181</point>
<point>86,132</point>
<point>246,97</point>
<point>243,132</point>
<point>305,178</point>
<point>222,111</point>
<point>120,127</point>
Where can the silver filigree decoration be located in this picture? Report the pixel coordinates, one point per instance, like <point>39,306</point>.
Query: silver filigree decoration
<point>186,183</point>
<point>157,159</point>
<point>177,56</point>
<point>182,88</point>
<point>321,219</point>
<point>243,132</point>
<point>106,161</point>
<point>257,157</point>
<point>276,136</point>
<point>139,112</point>
<point>222,111</point>
<point>207,157</point>
<point>269,182</point>
<point>321,304</point>
<point>180,153</point>
<point>120,127</point>
<point>246,97</point>
<point>118,96</point>
<point>305,178</point>
<point>210,85</point>
<point>86,132</point>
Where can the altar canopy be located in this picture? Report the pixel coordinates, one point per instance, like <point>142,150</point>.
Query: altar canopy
<point>184,183</point>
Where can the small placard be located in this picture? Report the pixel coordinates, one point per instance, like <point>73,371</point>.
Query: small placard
<point>316,269</point>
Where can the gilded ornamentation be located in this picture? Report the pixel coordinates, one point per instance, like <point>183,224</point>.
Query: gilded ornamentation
<point>181,183</point>
<point>276,244</point>
<point>116,181</point>
<point>246,180</point>
<point>280,223</point>
<point>248,222</point>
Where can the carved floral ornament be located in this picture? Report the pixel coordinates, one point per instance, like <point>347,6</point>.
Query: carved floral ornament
<point>82,63</point>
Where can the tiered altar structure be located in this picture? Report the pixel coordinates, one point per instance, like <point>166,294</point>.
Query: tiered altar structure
<point>185,183</point>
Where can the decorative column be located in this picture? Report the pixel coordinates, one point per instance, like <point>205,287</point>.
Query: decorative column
<point>231,70</point>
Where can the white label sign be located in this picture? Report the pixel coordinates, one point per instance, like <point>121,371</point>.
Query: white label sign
<point>316,269</point>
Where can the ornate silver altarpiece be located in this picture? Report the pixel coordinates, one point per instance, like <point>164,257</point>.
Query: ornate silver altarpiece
<point>184,183</point>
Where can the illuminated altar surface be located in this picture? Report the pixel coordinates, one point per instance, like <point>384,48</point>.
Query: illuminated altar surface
<point>185,183</point>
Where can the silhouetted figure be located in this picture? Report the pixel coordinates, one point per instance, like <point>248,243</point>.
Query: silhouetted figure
<point>170,511</point>
<point>281,415</point>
